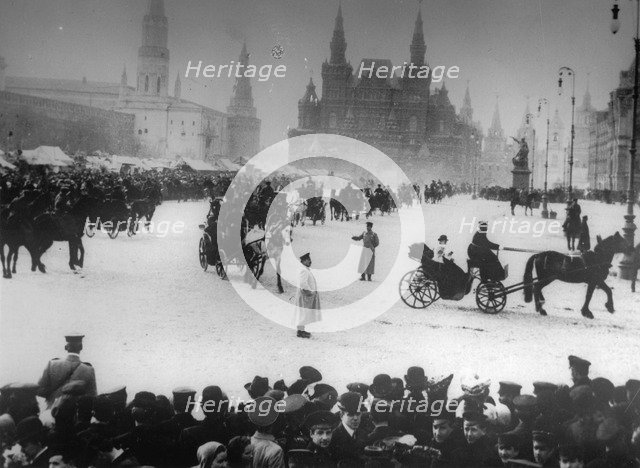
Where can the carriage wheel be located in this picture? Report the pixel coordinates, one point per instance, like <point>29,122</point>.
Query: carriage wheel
<point>491,297</point>
<point>417,291</point>
<point>222,260</point>
<point>202,254</point>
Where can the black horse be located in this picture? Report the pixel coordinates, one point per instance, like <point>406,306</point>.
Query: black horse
<point>16,231</point>
<point>591,268</point>
<point>64,227</point>
<point>139,209</point>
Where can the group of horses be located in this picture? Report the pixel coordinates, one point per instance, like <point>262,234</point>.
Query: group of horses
<point>30,221</point>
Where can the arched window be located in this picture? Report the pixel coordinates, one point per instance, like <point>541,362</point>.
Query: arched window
<point>146,83</point>
<point>333,120</point>
<point>158,87</point>
<point>413,124</point>
<point>555,137</point>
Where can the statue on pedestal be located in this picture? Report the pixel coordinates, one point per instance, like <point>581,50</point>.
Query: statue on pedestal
<point>521,159</point>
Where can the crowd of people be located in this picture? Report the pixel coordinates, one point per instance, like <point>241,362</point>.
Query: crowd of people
<point>409,421</point>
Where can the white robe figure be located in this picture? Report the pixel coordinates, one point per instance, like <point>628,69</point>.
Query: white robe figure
<point>307,300</point>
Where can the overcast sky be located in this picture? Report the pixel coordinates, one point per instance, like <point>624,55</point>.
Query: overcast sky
<point>510,48</point>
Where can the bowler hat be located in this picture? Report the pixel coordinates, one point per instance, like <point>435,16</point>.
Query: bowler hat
<point>212,393</point>
<point>350,402</point>
<point>280,385</point>
<point>28,428</point>
<point>415,378</point>
<point>381,386</point>
<point>258,386</point>
<point>443,238</point>
<point>310,373</point>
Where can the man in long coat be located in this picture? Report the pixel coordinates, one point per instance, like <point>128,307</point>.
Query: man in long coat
<point>370,241</point>
<point>307,299</point>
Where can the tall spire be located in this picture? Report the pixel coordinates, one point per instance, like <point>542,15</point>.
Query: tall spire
<point>242,99</point>
<point>153,54</point>
<point>586,99</point>
<point>338,43</point>
<point>418,47</point>
<point>496,126</point>
<point>177,90</point>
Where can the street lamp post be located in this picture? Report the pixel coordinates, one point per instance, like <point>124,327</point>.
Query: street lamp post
<point>545,197</point>
<point>529,119</point>
<point>475,165</point>
<point>566,71</point>
<point>627,264</point>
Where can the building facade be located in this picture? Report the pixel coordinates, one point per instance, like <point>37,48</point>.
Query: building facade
<point>396,114</point>
<point>610,139</point>
<point>163,125</point>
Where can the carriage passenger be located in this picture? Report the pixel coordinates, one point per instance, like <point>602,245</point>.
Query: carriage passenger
<point>441,250</point>
<point>480,252</point>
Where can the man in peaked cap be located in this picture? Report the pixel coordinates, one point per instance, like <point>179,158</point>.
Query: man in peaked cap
<point>61,371</point>
<point>579,371</point>
<point>324,396</point>
<point>307,299</point>
<point>370,243</point>
<point>349,438</point>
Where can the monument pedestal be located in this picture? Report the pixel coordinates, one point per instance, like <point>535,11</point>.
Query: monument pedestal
<point>521,179</point>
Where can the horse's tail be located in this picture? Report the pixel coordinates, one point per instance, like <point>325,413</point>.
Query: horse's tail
<point>528,279</point>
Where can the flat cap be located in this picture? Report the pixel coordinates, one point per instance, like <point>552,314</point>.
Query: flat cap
<point>310,374</point>
<point>507,387</point>
<point>525,402</point>
<point>262,412</point>
<point>325,395</point>
<point>321,418</point>
<point>539,386</point>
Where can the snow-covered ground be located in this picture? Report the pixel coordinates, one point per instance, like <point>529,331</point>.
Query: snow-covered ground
<point>154,320</point>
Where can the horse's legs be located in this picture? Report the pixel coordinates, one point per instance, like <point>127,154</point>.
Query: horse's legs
<point>512,212</point>
<point>607,290</point>
<point>73,254</point>
<point>15,259</point>
<point>585,308</point>
<point>4,269</point>
<point>81,248</point>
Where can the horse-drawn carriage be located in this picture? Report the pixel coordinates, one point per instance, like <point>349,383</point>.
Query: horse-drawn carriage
<point>251,258</point>
<point>431,281</point>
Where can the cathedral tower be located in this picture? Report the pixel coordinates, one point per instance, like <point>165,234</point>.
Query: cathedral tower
<point>242,123</point>
<point>153,55</point>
